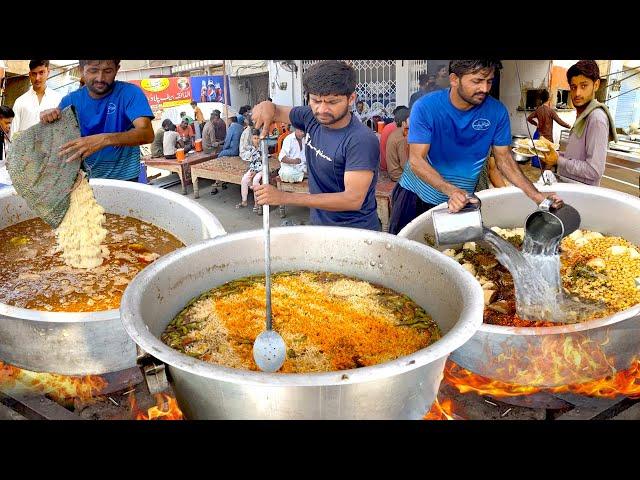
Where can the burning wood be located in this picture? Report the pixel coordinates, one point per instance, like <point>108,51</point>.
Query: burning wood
<point>166,408</point>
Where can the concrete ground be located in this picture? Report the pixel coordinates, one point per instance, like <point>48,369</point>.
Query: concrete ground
<point>222,205</point>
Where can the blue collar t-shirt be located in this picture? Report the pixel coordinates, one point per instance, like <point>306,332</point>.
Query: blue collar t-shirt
<point>459,141</point>
<point>113,113</point>
<point>330,153</point>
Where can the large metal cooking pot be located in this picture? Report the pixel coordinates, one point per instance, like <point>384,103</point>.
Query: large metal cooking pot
<point>92,342</point>
<point>509,353</point>
<point>403,388</point>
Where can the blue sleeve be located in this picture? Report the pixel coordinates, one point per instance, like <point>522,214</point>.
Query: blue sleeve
<point>137,104</point>
<point>420,124</point>
<point>362,152</point>
<point>65,102</point>
<point>502,137</point>
<point>301,117</point>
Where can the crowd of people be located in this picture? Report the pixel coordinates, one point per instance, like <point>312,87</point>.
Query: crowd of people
<point>452,139</point>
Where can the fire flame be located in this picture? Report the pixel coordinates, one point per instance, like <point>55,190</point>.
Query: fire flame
<point>58,387</point>
<point>625,382</point>
<point>553,361</point>
<point>441,411</point>
<point>166,408</point>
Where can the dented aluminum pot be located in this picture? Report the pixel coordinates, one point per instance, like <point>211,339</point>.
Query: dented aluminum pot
<point>92,342</point>
<point>400,389</point>
<point>544,356</point>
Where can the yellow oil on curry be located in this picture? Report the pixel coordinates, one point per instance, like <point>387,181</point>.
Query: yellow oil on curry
<point>34,276</point>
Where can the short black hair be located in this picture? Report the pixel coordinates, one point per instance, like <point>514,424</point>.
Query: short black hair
<point>85,62</point>
<point>183,114</point>
<point>422,79</point>
<point>544,96</point>
<point>216,113</point>
<point>398,108</point>
<point>468,67</point>
<point>6,112</point>
<point>38,63</point>
<point>329,77</point>
<point>194,103</point>
<point>588,68</point>
<point>234,119</point>
<point>360,102</point>
<point>255,131</point>
<point>166,124</point>
<point>400,115</point>
<point>244,109</point>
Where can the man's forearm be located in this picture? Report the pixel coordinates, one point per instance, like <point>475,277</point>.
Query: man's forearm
<point>282,114</point>
<point>133,137</point>
<point>333,202</point>
<point>428,174</point>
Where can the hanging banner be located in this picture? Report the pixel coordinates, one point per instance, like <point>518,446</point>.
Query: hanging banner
<point>210,88</point>
<point>165,92</point>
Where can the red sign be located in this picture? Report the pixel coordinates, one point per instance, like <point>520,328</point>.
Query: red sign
<point>165,92</point>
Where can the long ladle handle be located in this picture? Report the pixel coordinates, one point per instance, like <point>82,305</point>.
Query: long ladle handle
<point>267,236</point>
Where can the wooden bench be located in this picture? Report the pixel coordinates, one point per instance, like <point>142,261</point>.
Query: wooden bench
<point>226,169</point>
<point>182,168</point>
<point>384,188</point>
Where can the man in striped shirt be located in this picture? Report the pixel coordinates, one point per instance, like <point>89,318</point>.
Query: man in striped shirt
<point>114,117</point>
<point>450,133</point>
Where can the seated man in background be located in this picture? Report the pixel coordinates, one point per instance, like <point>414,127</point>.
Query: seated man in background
<point>293,164</point>
<point>170,140</point>
<point>187,135</point>
<point>156,145</point>
<point>231,147</point>
<point>397,148</point>
<point>210,141</point>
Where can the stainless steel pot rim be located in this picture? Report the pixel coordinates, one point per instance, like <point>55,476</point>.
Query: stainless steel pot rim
<point>484,195</point>
<point>453,339</point>
<point>212,224</point>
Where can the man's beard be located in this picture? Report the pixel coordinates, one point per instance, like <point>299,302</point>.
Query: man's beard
<point>333,119</point>
<point>470,99</point>
<point>109,87</point>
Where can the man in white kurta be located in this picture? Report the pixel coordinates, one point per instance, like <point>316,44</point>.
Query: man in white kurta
<point>293,164</point>
<point>39,97</point>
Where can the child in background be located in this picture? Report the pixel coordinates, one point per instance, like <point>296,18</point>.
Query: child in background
<point>254,174</point>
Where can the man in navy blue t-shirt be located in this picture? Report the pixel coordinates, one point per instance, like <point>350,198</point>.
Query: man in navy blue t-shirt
<point>450,134</point>
<point>115,118</point>
<point>342,154</point>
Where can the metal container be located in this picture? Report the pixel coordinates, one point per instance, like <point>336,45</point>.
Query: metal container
<point>509,353</point>
<point>460,227</point>
<point>548,223</point>
<point>92,342</point>
<point>402,388</point>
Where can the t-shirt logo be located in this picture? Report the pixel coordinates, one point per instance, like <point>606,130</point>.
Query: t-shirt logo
<point>111,108</point>
<point>319,152</point>
<point>481,124</point>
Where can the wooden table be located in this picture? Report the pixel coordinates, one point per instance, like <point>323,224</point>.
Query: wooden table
<point>182,168</point>
<point>227,169</point>
<point>384,187</point>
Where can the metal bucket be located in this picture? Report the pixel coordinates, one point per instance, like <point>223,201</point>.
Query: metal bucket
<point>400,389</point>
<point>92,342</point>
<point>460,227</point>
<point>493,350</point>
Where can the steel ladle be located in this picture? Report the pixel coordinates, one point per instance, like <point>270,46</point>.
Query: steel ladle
<point>269,349</point>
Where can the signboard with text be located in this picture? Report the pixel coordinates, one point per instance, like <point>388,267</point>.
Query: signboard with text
<point>165,92</point>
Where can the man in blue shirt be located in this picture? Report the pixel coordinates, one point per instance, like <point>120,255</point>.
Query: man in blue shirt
<point>115,118</point>
<point>342,154</point>
<point>450,134</point>
<point>231,146</point>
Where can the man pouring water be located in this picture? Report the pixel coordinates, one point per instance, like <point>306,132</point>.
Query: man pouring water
<point>450,134</point>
